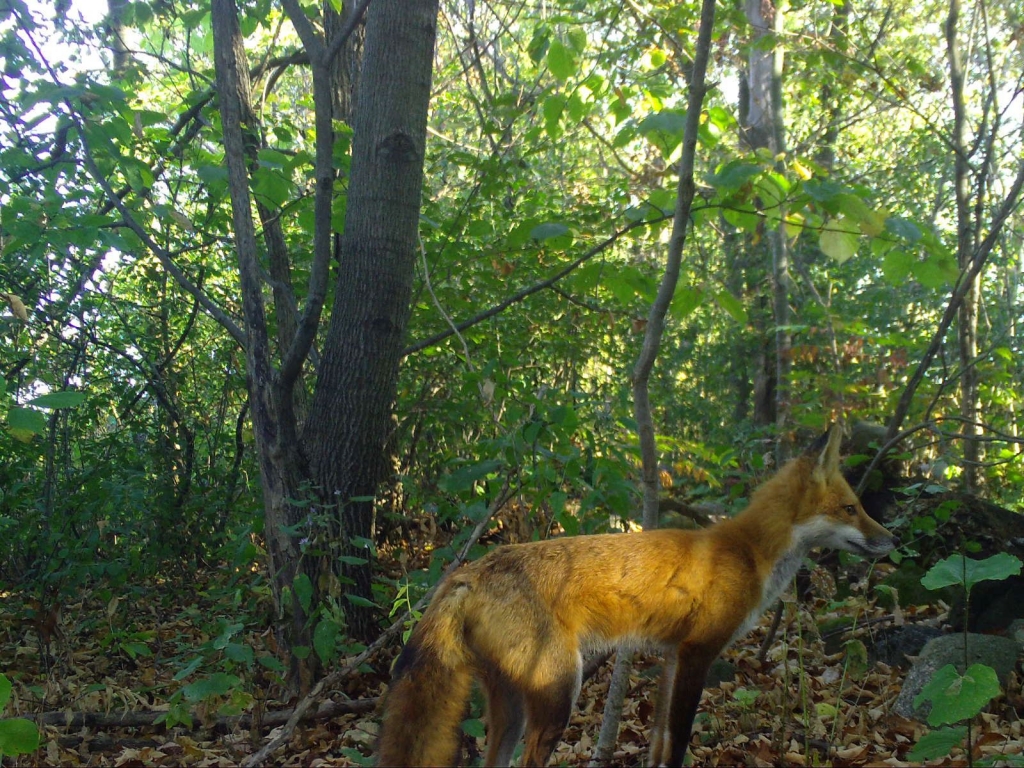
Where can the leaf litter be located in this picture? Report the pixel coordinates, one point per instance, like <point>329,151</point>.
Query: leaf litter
<point>803,705</point>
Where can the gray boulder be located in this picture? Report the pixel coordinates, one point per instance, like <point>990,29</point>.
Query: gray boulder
<point>1000,653</point>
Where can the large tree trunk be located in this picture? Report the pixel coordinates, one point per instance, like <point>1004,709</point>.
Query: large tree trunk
<point>345,437</point>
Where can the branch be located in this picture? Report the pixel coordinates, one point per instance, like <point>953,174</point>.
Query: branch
<point>310,38</point>
<point>528,291</point>
<point>680,222</point>
<point>890,443</point>
<point>162,255</point>
<point>978,259</point>
<point>334,47</point>
<point>323,113</point>
<point>80,720</point>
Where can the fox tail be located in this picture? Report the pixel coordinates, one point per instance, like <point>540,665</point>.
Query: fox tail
<point>430,688</point>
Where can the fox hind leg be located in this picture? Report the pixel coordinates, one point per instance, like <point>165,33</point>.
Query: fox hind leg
<point>547,713</point>
<point>506,718</point>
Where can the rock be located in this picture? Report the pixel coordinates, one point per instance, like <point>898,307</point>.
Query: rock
<point>994,605</point>
<point>1000,653</point>
<point>721,671</point>
<point>1016,632</point>
<point>893,645</point>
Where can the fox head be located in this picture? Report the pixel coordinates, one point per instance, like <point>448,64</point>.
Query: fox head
<point>830,513</point>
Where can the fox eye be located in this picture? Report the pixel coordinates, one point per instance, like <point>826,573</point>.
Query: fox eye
<point>850,509</point>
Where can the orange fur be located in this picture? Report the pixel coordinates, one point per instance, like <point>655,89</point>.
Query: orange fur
<point>520,618</point>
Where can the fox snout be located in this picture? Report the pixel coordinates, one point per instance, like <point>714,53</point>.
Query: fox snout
<point>877,545</point>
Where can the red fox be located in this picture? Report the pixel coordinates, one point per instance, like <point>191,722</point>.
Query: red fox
<point>520,618</point>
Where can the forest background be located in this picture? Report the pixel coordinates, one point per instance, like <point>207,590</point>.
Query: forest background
<point>300,300</point>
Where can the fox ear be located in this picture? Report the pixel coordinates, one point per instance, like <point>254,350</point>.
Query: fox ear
<point>827,463</point>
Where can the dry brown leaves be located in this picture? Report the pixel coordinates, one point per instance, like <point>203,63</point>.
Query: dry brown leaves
<point>803,706</point>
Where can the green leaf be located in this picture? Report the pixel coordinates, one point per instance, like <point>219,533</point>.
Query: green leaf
<point>18,736</point>
<point>957,697</point>
<point>217,684</point>
<point>904,228</point>
<point>553,107</point>
<point>271,158</point>
<point>67,399</point>
<point>826,711</point>
<point>733,175</point>
<point>191,667</point>
<point>362,602</point>
<point>548,230</point>
<point>670,121</point>
<point>959,569</point>
<point>303,591</point>
<point>664,129</point>
<point>272,663</point>
<point>324,640</point>
<point>213,174</point>
<point>464,477</point>
<point>936,270</point>
<point>685,301</point>
<point>896,266</point>
<point>837,241</point>
<point>134,649</point>
<point>561,60</point>
<point>25,423</point>
<point>5,692</point>
<point>473,727</point>
<point>824,191</point>
<point>742,215</point>
<point>937,744</point>
<point>271,186</point>
<point>352,560</point>
<point>539,43</point>
<point>576,37</point>
<point>732,305</point>
<point>239,653</point>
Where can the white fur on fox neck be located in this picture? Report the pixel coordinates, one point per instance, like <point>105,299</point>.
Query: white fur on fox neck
<point>818,532</point>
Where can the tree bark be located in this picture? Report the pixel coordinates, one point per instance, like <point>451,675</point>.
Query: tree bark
<point>967,327</point>
<point>352,407</point>
<point>763,129</point>
<point>281,468</point>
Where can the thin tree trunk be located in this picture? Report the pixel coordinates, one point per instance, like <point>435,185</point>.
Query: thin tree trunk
<point>967,329</point>
<point>765,129</point>
<point>780,261</point>
<point>649,352</point>
<point>281,470</point>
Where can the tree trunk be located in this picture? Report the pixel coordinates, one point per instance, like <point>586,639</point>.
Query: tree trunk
<point>764,130</point>
<point>281,470</point>
<point>649,352</point>
<point>351,420</point>
<point>346,64</point>
<point>967,329</point>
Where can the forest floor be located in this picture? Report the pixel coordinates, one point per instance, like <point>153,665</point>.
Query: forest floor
<point>118,660</point>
